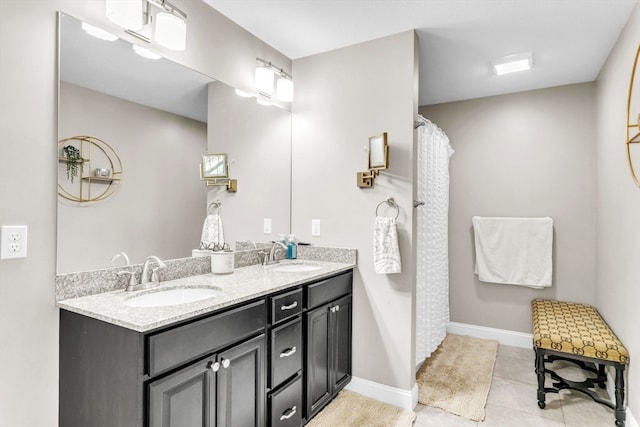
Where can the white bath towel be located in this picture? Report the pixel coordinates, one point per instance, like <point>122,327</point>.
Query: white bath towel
<point>516,251</point>
<point>386,253</point>
<point>212,233</point>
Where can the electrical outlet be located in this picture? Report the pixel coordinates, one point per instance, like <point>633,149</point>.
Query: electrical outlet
<point>13,241</point>
<point>267,226</point>
<point>315,227</point>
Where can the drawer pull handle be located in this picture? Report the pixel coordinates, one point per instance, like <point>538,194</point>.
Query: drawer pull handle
<point>288,353</point>
<point>215,367</point>
<point>226,363</point>
<point>289,307</point>
<point>288,414</point>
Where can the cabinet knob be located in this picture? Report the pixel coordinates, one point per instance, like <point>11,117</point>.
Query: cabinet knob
<point>289,307</point>
<point>226,363</point>
<point>288,414</point>
<point>337,308</point>
<point>215,367</point>
<point>288,352</point>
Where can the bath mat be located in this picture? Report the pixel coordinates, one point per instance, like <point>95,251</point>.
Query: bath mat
<point>350,409</point>
<point>457,376</point>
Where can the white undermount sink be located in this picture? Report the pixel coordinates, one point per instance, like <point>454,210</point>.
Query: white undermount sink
<point>296,268</point>
<point>172,297</point>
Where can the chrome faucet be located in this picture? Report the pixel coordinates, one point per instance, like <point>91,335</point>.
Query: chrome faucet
<point>144,278</point>
<point>270,258</point>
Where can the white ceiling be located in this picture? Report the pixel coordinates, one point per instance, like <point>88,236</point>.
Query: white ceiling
<point>570,39</point>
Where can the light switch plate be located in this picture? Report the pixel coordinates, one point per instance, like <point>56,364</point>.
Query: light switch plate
<point>13,241</point>
<point>267,226</point>
<point>315,227</point>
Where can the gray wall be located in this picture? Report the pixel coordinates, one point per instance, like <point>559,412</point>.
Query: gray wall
<point>159,205</point>
<point>28,134</point>
<point>618,204</point>
<point>524,154</point>
<point>343,97</point>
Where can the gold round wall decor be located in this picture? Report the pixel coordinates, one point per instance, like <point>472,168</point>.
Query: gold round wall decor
<point>633,113</point>
<point>89,169</point>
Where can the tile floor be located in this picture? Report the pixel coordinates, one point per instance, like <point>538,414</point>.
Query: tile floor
<point>512,400</point>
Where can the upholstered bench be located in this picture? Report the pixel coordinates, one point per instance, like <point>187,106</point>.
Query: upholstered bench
<point>576,333</point>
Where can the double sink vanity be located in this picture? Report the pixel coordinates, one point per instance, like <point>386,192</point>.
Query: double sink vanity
<point>264,346</point>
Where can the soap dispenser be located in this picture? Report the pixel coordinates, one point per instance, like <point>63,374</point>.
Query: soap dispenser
<point>292,247</point>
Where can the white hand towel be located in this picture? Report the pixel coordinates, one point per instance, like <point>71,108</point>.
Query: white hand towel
<point>386,253</point>
<point>516,251</point>
<point>212,231</point>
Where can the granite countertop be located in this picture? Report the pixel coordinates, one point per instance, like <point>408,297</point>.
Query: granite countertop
<point>243,284</point>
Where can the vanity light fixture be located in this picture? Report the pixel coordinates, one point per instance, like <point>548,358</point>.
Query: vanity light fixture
<point>98,32</point>
<point>145,53</point>
<point>171,31</point>
<point>513,63</point>
<point>265,78</point>
<point>284,89</point>
<point>135,16</point>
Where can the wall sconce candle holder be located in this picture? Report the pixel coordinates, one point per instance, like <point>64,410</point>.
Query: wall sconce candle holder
<point>378,160</point>
<point>214,171</point>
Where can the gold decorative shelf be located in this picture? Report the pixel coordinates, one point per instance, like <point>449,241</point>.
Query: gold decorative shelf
<point>633,114</point>
<point>94,153</point>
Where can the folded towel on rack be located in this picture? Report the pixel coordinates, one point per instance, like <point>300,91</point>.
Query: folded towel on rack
<point>386,253</point>
<point>516,251</point>
<point>212,233</point>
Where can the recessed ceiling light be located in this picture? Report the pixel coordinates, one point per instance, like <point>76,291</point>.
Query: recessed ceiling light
<point>513,63</point>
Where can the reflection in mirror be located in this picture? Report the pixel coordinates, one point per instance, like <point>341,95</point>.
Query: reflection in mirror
<point>214,166</point>
<point>154,113</point>
<point>378,152</point>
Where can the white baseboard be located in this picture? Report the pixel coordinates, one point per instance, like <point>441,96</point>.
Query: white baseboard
<point>406,399</point>
<point>503,336</point>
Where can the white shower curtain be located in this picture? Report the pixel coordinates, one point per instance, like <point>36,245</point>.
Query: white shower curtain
<point>432,270</point>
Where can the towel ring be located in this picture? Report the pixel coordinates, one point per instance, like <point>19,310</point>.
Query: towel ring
<point>389,201</point>
<point>216,205</point>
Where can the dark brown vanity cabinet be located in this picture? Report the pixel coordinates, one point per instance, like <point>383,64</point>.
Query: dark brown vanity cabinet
<point>285,360</point>
<point>275,361</point>
<point>328,341</point>
<point>225,389</point>
<point>205,372</point>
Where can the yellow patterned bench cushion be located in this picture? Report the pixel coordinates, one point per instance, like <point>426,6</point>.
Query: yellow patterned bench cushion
<point>575,328</point>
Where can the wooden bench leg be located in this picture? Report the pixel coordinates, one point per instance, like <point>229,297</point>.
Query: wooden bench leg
<point>540,374</point>
<point>619,411</point>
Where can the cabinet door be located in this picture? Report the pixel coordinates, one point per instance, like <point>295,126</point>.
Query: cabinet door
<point>185,398</point>
<point>241,385</point>
<point>340,343</point>
<point>317,367</point>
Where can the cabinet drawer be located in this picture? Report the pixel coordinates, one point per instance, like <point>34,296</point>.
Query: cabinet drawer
<point>329,289</point>
<point>286,305</point>
<point>286,405</point>
<point>286,351</point>
<point>184,343</point>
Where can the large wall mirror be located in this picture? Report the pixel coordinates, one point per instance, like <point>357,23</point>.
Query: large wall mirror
<point>160,117</point>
